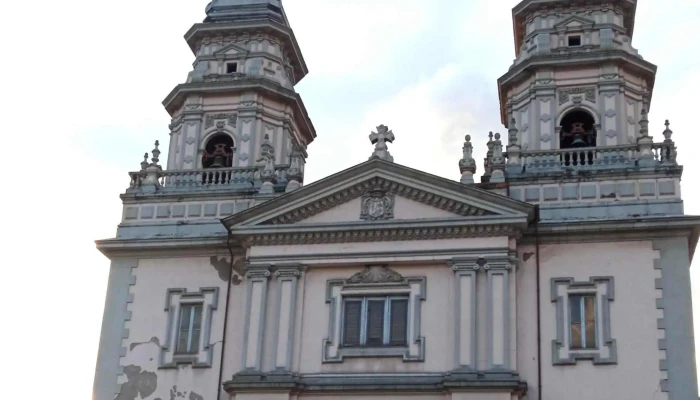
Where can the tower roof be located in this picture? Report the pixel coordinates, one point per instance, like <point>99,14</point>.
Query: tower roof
<point>245,11</point>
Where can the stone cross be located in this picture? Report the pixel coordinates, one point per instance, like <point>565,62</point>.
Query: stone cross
<point>379,139</point>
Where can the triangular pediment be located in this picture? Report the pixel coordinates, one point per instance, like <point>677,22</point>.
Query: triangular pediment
<point>575,21</point>
<point>378,194</point>
<point>231,49</point>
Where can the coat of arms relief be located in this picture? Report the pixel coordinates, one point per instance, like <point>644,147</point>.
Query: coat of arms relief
<point>377,204</point>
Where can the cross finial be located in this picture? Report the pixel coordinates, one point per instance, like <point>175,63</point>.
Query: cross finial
<point>379,139</point>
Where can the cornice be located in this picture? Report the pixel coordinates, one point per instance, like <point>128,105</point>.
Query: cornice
<point>450,228</point>
<point>178,95</point>
<point>353,192</point>
<point>568,59</point>
<point>165,247</point>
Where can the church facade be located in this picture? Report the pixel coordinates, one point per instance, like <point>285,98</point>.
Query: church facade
<point>563,273</point>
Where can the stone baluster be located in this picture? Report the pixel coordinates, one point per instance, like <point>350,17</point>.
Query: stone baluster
<point>153,172</point>
<point>513,149</point>
<point>267,175</point>
<point>467,165</point>
<point>497,161</point>
<point>645,142</point>
<point>295,174</point>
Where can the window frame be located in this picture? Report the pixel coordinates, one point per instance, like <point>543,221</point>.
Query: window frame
<point>226,67</point>
<point>577,35</point>
<point>364,321</point>
<point>192,346</point>
<point>582,296</point>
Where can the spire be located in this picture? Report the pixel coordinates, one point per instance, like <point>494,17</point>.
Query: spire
<point>467,165</point>
<point>513,149</point>
<point>379,139</point>
<point>246,11</point>
<point>667,132</point>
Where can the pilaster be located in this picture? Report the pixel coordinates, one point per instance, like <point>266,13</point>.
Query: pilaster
<point>254,326</point>
<point>191,131</point>
<point>498,314</point>
<point>465,314</point>
<point>286,278</point>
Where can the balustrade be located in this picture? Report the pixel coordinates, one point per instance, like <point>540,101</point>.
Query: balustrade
<point>205,179</point>
<point>590,158</point>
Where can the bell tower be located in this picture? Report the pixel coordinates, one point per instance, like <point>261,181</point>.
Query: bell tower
<point>575,102</point>
<point>239,97</point>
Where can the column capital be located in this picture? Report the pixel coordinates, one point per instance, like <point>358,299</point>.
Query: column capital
<point>257,271</point>
<point>288,270</point>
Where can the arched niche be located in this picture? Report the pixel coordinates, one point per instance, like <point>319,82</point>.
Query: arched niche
<point>577,129</point>
<point>218,151</point>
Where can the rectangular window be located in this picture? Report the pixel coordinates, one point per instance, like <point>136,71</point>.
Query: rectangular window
<point>375,321</point>
<point>574,41</point>
<point>189,329</point>
<point>231,68</point>
<point>583,321</point>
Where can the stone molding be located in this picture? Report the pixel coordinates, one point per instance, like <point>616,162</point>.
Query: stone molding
<point>391,188</point>
<point>409,382</point>
<point>208,297</point>
<point>384,235</point>
<point>603,329</point>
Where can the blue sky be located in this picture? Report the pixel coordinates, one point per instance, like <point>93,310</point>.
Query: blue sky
<point>81,94</point>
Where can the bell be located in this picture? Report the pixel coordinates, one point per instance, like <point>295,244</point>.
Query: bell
<point>218,162</point>
<point>578,133</point>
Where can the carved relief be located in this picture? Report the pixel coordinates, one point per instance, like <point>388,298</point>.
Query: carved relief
<point>588,93</point>
<point>377,204</point>
<point>228,118</point>
<point>374,274</point>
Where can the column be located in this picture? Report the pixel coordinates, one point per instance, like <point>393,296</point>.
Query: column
<point>285,306</point>
<point>254,328</point>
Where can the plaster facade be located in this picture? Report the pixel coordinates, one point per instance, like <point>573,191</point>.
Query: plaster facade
<point>563,274</point>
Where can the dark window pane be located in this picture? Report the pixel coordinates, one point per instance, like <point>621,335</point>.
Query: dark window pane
<point>589,307</point>
<point>397,329</point>
<point>351,323</point>
<point>184,329</point>
<point>575,309</point>
<point>576,336</point>
<point>197,323</point>
<point>375,322</point>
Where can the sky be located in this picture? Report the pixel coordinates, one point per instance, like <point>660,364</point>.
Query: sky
<point>81,99</point>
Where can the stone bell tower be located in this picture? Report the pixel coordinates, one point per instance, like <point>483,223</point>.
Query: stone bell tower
<point>575,103</point>
<point>239,98</point>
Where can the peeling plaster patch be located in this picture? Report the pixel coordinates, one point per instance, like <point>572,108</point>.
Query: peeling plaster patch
<point>138,383</point>
<point>195,396</point>
<point>221,266</point>
<point>526,256</point>
<point>175,394</point>
<point>153,340</point>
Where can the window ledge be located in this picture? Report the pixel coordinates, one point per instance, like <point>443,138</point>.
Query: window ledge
<point>389,351</point>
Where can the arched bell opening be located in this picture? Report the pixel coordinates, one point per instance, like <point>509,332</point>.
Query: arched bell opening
<point>578,132</point>
<point>218,153</point>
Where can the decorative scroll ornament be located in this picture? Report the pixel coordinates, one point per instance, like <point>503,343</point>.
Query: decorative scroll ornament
<point>587,92</point>
<point>373,274</point>
<point>230,119</point>
<point>377,204</point>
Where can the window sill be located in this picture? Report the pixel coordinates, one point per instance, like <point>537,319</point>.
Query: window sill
<point>388,351</point>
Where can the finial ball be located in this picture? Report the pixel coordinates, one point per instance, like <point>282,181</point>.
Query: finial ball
<point>498,136</point>
<point>468,138</point>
